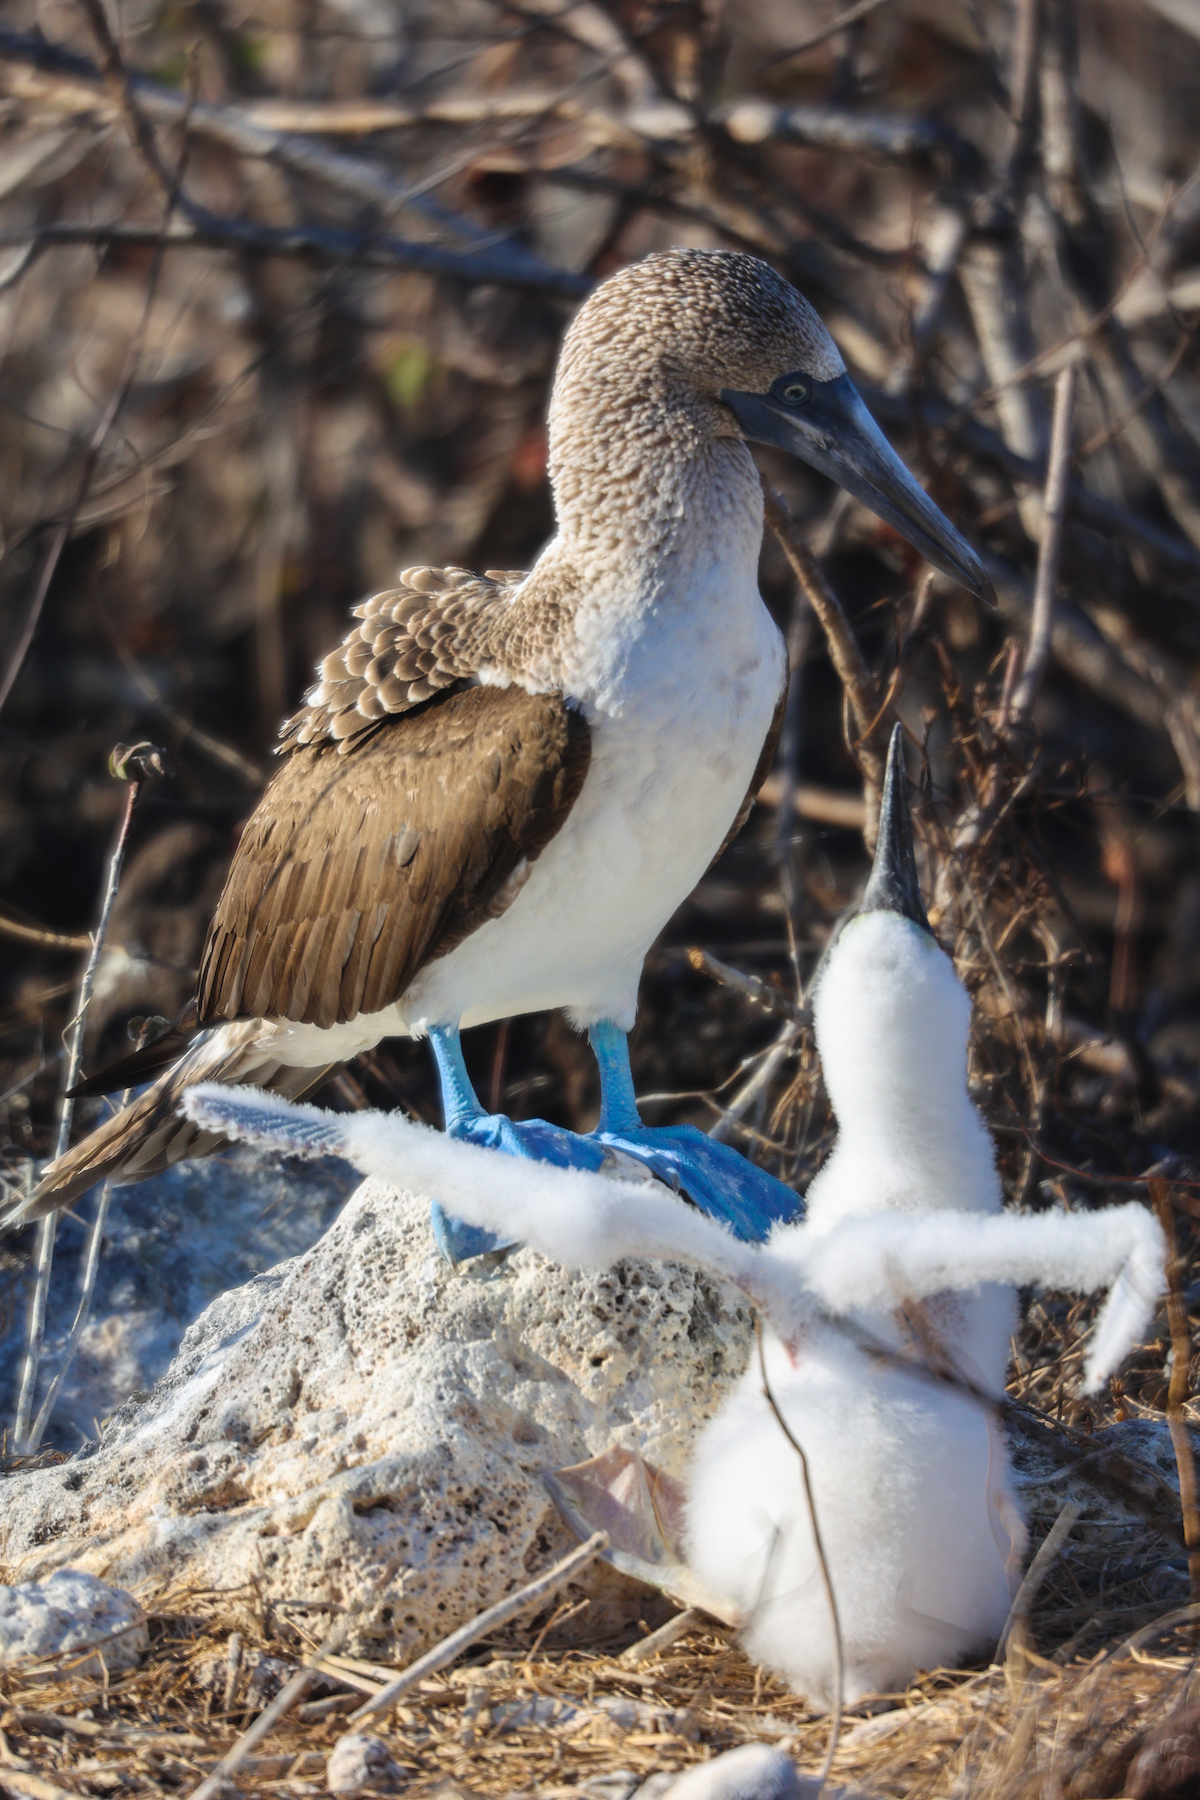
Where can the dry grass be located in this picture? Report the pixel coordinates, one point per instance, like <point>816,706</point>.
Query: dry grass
<point>513,1723</point>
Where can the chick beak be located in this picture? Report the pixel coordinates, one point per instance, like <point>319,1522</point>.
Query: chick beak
<point>832,430</point>
<point>894,885</point>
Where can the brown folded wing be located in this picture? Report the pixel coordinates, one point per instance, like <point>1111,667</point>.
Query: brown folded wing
<point>357,870</point>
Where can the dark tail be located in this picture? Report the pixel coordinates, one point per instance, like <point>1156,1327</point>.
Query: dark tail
<point>149,1135</point>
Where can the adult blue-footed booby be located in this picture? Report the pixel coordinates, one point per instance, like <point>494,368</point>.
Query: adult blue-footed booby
<point>503,785</point>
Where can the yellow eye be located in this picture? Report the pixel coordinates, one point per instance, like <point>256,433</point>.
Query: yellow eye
<point>795,393</point>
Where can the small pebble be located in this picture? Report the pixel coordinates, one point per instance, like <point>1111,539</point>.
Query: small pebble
<point>358,1762</point>
<point>68,1613</point>
<point>751,1772</point>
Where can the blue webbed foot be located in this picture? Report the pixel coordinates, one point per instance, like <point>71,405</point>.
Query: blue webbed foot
<point>458,1243</point>
<point>714,1177</point>
<point>534,1139</point>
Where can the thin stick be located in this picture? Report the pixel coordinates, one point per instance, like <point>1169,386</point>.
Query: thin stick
<point>851,16</point>
<point>665,1636</point>
<point>293,1690</point>
<point>756,1083</point>
<point>1015,1626</point>
<point>104,425</point>
<point>134,119</point>
<point>844,653</point>
<point>83,1312</point>
<point>136,766</point>
<point>28,933</point>
<point>1179,1385</point>
<point>835,1721</point>
<point>35,1787</point>
<point>453,1646</point>
<point>1054,512</point>
<point>846,656</point>
<point>759,992</point>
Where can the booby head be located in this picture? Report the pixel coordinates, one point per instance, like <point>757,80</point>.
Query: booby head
<point>688,349</point>
<point>890,1014</point>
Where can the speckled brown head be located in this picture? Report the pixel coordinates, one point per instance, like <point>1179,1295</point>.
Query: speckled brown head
<point>690,349</point>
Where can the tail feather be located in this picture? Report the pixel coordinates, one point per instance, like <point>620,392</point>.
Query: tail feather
<point>149,1134</point>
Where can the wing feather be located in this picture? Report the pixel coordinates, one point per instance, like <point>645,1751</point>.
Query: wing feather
<point>358,869</point>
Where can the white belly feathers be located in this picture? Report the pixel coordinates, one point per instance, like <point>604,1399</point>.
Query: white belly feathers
<point>674,749</point>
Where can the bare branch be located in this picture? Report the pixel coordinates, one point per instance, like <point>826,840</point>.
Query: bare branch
<point>322,244</point>
<point>135,766</point>
<point>844,652</point>
<point>758,992</point>
<point>1037,653</point>
<point>1179,1387</point>
<point>136,123</point>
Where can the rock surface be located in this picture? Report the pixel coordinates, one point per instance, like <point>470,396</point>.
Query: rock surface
<point>70,1612</point>
<point>359,1763</point>
<point>362,1402</point>
<point>171,1245</point>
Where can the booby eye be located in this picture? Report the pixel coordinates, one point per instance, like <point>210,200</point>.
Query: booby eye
<point>792,392</point>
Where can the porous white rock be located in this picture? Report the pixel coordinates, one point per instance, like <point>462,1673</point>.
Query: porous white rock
<point>70,1612</point>
<point>172,1245</point>
<point>362,1402</point>
<point>359,1763</point>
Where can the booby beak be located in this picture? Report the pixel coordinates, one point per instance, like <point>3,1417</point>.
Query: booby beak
<point>826,424</point>
<point>894,885</point>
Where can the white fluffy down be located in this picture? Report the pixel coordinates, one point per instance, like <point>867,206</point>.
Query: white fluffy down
<point>922,1540</point>
<point>910,1474</point>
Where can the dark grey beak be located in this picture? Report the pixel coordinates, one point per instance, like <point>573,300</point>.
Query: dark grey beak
<point>894,886</point>
<point>826,424</point>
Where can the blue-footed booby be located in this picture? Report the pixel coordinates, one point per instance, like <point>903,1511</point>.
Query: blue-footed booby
<point>503,785</point>
<point>887,1312</point>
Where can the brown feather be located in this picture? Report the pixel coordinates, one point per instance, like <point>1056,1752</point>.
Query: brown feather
<point>140,1065</point>
<point>357,870</point>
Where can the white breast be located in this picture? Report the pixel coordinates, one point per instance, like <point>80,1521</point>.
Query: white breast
<point>679,708</point>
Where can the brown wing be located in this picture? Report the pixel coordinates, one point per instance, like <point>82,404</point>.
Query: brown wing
<point>432,631</point>
<point>357,870</point>
<point>761,770</point>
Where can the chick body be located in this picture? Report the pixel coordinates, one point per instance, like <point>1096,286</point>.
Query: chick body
<point>910,1475</point>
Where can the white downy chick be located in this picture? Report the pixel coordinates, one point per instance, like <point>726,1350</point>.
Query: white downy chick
<point>910,1477</point>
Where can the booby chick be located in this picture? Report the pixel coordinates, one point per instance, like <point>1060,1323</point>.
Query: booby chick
<point>502,786</point>
<point>886,1314</point>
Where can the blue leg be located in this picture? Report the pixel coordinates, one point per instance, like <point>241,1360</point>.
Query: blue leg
<point>714,1177</point>
<point>466,1118</point>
